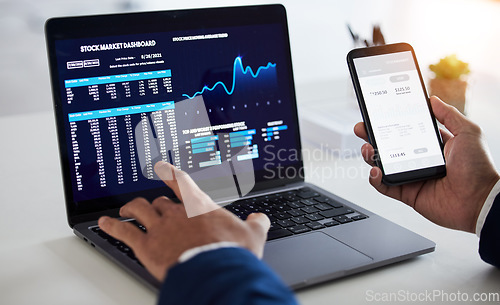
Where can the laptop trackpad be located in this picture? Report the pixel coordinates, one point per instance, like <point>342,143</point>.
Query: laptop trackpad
<point>311,256</point>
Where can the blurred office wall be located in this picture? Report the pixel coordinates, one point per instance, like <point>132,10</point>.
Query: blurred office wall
<point>318,35</point>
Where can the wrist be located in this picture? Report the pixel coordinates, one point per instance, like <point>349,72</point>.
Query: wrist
<point>190,253</point>
<point>486,206</point>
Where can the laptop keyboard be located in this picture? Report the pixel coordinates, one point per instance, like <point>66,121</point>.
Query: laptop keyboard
<point>292,212</point>
<point>296,212</point>
<point>118,244</point>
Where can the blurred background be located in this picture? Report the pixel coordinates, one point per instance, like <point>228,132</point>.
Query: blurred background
<point>319,38</point>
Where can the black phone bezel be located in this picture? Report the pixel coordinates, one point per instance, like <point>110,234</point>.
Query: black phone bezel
<point>402,177</point>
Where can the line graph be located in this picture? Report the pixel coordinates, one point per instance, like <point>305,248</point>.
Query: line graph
<point>237,66</point>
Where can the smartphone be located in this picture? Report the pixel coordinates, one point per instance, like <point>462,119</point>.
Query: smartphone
<point>397,113</point>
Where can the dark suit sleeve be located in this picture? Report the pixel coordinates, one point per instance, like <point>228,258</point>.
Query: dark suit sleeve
<point>232,276</point>
<point>489,243</point>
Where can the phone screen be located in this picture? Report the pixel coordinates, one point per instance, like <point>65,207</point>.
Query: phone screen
<point>399,115</point>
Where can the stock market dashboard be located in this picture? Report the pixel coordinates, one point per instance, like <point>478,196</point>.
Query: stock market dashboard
<point>195,98</point>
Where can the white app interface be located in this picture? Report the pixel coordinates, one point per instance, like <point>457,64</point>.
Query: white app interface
<point>400,119</point>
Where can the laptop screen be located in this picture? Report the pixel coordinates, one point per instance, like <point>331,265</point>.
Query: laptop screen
<point>210,91</point>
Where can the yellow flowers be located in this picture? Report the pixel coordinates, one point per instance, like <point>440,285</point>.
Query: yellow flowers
<point>450,67</point>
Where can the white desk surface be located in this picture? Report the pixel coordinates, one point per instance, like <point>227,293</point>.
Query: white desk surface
<point>42,262</point>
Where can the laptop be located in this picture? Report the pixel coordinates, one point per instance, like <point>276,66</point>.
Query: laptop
<point>212,92</point>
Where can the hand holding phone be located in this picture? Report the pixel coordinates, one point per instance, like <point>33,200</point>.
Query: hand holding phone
<point>397,113</point>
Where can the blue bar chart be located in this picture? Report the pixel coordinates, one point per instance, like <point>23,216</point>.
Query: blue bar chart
<point>244,138</point>
<point>273,132</point>
<point>206,145</point>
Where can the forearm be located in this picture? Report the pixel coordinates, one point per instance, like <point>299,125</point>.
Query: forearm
<point>224,276</point>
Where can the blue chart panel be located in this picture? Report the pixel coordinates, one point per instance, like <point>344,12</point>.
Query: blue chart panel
<point>244,138</point>
<point>242,133</point>
<point>206,144</point>
<point>253,155</point>
<point>238,73</point>
<point>276,128</point>
<point>269,132</point>
<point>202,150</point>
<point>203,144</point>
<point>241,138</point>
<point>216,161</point>
<point>204,139</point>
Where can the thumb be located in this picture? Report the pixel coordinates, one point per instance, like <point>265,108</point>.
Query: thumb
<point>449,116</point>
<point>259,222</point>
<point>165,171</point>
